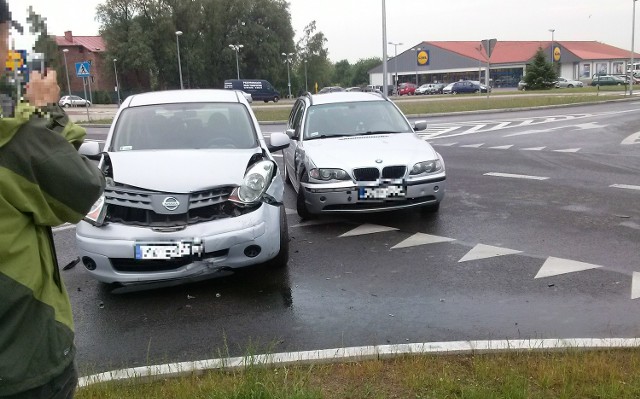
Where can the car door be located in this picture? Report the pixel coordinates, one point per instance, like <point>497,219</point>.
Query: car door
<point>294,131</point>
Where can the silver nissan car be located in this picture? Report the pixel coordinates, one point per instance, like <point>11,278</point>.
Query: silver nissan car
<point>192,189</point>
<point>356,152</point>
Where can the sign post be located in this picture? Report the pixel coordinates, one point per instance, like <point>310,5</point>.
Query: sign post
<point>83,71</point>
<point>488,45</point>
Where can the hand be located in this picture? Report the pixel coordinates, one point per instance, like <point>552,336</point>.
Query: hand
<point>42,91</point>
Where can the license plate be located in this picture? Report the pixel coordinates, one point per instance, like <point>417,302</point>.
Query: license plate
<point>168,250</point>
<point>387,192</point>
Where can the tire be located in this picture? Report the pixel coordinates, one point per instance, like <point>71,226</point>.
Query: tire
<point>477,91</point>
<point>430,209</point>
<point>67,105</point>
<point>569,86</point>
<point>282,258</point>
<point>301,207</point>
<point>275,99</point>
<point>287,179</point>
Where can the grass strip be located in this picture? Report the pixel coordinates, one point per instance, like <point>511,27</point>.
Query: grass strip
<point>571,373</point>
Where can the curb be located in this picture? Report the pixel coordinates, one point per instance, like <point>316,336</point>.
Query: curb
<point>353,354</point>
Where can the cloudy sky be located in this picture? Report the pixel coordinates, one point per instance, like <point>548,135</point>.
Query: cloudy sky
<point>354,27</point>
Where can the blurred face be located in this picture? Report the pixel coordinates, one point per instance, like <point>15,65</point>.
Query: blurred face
<point>4,44</point>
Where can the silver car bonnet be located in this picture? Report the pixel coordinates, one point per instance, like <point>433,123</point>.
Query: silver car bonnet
<point>180,171</point>
<point>358,151</point>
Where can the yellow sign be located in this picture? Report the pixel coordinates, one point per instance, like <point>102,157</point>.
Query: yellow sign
<point>15,60</point>
<point>423,57</point>
<point>556,54</point>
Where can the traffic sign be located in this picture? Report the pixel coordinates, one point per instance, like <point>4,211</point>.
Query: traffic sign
<point>488,45</point>
<point>82,69</point>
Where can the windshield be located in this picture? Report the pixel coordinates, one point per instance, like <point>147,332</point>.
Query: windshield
<point>184,126</point>
<point>354,118</point>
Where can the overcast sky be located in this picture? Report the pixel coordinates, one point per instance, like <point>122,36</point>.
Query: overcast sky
<point>354,27</point>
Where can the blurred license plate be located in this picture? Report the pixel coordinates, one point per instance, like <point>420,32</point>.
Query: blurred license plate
<point>365,193</point>
<point>167,250</point>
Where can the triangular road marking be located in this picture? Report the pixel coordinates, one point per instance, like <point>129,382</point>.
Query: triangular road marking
<point>472,145</point>
<point>367,229</point>
<point>635,286</point>
<point>482,251</point>
<point>421,239</point>
<point>533,149</point>
<point>556,266</point>
<point>568,150</point>
<point>502,147</point>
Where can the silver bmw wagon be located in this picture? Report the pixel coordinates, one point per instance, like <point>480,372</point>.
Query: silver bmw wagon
<point>357,152</point>
<point>192,189</point>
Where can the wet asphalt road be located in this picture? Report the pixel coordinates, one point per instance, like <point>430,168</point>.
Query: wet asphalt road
<point>359,290</point>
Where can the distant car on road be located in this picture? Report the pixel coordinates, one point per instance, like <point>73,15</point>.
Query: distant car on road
<point>468,86</point>
<point>568,83</point>
<point>607,80</point>
<point>447,88</point>
<point>330,89</point>
<point>73,101</point>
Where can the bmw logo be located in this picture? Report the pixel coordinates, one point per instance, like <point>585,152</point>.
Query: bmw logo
<point>378,160</point>
<point>171,203</point>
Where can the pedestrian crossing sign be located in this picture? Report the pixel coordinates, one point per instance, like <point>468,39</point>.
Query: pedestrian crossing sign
<point>82,69</point>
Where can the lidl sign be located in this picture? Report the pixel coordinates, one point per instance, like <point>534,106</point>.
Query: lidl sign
<point>16,60</point>
<point>423,57</point>
<point>556,54</point>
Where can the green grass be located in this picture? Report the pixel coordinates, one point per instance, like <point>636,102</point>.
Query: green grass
<point>613,373</point>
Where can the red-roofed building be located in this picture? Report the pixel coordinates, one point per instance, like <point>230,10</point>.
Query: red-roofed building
<point>82,49</point>
<point>450,61</point>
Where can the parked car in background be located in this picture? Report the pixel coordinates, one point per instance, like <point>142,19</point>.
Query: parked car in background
<point>191,189</point>
<point>447,88</point>
<point>356,152</point>
<point>522,85</point>
<point>406,89</point>
<point>468,86</point>
<point>636,80</point>
<point>430,88</point>
<point>607,80</point>
<point>330,89</point>
<point>355,88</point>
<point>568,83</point>
<point>73,101</point>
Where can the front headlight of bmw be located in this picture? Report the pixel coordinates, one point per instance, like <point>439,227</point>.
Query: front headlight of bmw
<point>428,167</point>
<point>255,184</point>
<point>327,174</point>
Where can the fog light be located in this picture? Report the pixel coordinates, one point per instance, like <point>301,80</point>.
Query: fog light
<point>89,263</point>
<point>436,188</point>
<point>252,251</point>
<point>323,198</point>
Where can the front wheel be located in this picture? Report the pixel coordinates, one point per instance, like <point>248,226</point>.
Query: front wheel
<point>282,258</point>
<point>67,105</point>
<point>477,91</point>
<point>275,99</point>
<point>301,206</point>
<point>569,86</point>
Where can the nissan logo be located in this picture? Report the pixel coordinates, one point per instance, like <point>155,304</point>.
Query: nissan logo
<point>171,203</point>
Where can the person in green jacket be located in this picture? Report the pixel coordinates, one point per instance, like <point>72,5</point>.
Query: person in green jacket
<point>44,182</point>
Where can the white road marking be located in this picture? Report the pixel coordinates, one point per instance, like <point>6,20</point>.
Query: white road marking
<point>66,226</point>
<point>633,139</point>
<point>635,286</point>
<point>473,129</point>
<point>499,126</point>
<point>525,122</point>
<point>472,145</point>
<point>482,251</point>
<point>590,125</point>
<point>367,229</point>
<point>445,145</point>
<point>533,149</point>
<point>421,239</point>
<point>534,131</point>
<point>568,150</point>
<point>502,147</point>
<point>625,186</point>
<point>316,222</point>
<point>350,354</point>
<point>498,174</point>
<point>556,266</point>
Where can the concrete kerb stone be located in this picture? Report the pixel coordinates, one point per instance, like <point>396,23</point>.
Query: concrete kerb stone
<point>353,354</point>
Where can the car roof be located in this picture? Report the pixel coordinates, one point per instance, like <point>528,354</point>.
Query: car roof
<point>345,96</point>
<point>183,96</point>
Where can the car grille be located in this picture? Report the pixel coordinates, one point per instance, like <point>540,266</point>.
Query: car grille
<point>155,265</point>
<point>366,174</point>
<point>134,206</point>
<point>394,172</point>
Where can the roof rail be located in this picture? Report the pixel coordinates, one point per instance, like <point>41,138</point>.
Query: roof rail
<point>309,96</point>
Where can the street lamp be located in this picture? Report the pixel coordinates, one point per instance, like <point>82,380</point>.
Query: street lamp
<point>64,53</point>
<point>633,33</point>
<point>395,60</point>
<point>178,34</point>
<point>306,86</point>
<point>236,48</point>
<point>552,30</point>
<point>384,50</point>
<point>115,71</point>
<point>417,50</point>
<point>288,61</point>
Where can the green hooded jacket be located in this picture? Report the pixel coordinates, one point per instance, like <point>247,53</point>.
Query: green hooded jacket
<point>44,182</point>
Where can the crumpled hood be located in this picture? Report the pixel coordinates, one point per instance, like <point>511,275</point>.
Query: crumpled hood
<point>180,171</point>
<point>361,151</point>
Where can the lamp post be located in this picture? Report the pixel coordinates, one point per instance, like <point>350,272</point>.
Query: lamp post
<point>287,59</point>
<point>236,48</point>
<point>178,34</point>
<point>115,71</point>
<point>66,68</point>
<point>384,50</point>
<point>633,32</point>
<point>306,86</point>
<point>395,60</point>
<point>417,50</point>
<point>552,30</point>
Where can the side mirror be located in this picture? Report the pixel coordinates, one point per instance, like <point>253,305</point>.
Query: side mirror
<point>291,133</point>
<point>90,149</point>
<point>278,141</point>
<point>420,125</point>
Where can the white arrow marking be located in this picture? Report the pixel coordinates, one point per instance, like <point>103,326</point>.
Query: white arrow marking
<point>635,286</point>
<point>533,149</point>
<point>421,239</point>
<point>472,145</point>
<point>591,125</point>
<point>633,139</point>
<point>556,266</point>
<point>497,174</point>
<point>568,150</point>
<point>367,229</point>
<point>500,126</point>
<point>625,186</point>
<point>526,122</point>
<point>444,145</point>
<point>534,131</point>
<point>502,147</point>
<point>482,251</point>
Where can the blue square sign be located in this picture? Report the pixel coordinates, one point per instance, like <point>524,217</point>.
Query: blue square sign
<point>82,69</point>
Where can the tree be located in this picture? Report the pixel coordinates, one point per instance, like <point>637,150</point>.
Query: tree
<point>312,48</point>
<point>342,73</point>
<point>540,73</point>
<point>360,70</point>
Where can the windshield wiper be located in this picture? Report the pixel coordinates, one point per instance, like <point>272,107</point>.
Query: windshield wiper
<point>329,136</point>
<point>378,132</point>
